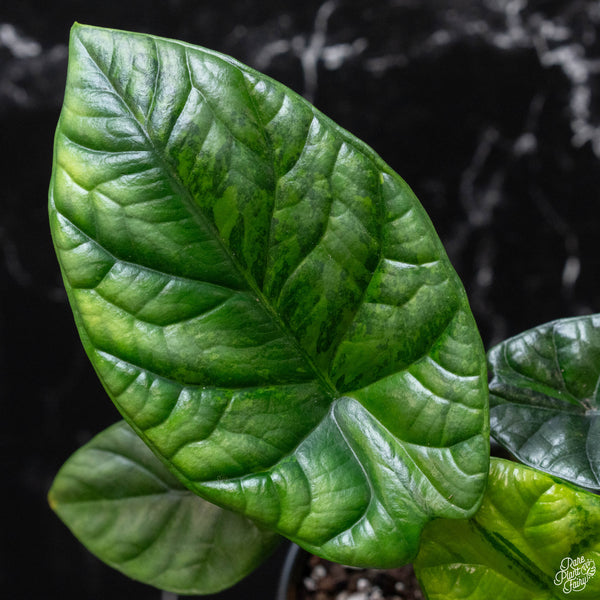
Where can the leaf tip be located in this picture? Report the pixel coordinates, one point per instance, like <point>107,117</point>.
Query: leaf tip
<point>76,27</point>
<point>81,29</point>
<point>52,501</point>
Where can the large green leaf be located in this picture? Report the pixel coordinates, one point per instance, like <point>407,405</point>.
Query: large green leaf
<point>130,511</point>
<point>545,396</point>
<point>535,537</point>
<point>265,301</point>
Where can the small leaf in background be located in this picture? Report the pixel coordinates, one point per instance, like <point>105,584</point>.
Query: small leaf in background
<point>124,505</point>
<point>544,397</point>
<point>534,538</point>
<point>265,300</point>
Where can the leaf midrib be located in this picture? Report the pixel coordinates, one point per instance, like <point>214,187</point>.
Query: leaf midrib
<point>565,395</point>
<point>196,214</point>
<point>512,554</point>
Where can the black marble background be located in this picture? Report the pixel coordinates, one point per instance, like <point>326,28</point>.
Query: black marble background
<point>490,110</point>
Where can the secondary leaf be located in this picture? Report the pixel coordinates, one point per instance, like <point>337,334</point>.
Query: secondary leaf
<point>534,538</point>
<point>545,398</point>
<point>265,301</point>
<point>123,504</point>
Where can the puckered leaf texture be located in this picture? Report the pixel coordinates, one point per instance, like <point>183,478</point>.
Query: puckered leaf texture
<point>535,537</point>
<point>265,300</point>
<point>545,398</point>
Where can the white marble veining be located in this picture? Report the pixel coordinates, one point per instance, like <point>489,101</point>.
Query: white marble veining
<point>513,190</point>
<point>19,45</point>
<point>27,74</point>
<point>312,49</point>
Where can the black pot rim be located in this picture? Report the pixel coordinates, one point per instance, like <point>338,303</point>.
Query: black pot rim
<point>290,572</point>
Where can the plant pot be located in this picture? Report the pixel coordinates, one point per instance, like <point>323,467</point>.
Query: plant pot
<point>307,577</point>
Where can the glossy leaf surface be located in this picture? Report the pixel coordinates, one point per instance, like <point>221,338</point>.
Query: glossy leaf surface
<point>518,545</point>
<point>545,397</point>
<point>125,506</point>
<point>265,301</point>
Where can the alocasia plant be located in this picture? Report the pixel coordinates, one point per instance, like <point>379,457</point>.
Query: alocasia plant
<point>270,309</point>
<point>535,537</point>
<point>265,301</point>
<point>545,396</point>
